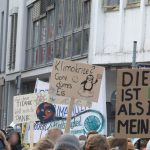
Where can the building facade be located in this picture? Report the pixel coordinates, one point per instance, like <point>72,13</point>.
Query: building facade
<point>3,45</point>
<point>91,31</point>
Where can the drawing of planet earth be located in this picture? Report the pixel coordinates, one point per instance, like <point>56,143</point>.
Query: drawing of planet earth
<point>92,123</point>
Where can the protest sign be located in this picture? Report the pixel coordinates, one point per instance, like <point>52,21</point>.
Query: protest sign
<point>133,103</point>
<point>75,80</point>
<point>24,108</point>
<point>80,125</point>
<point>61,111</point>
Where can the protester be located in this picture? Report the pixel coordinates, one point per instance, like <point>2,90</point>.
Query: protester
<point>96,142</point>
<point>44,144</point>
<point>54,134</point>
<point>67,142</point>
<point>91,133</point>
<point>3,143</point>
<point>82,140</point>
<point>148,146</point>
<point>14,140</point>
<point>121,144</point>
<point>130,145</point>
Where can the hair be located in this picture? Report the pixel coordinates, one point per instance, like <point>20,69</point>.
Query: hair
<point>97,142</point>
<point>3,138</point>
<point>44,144</point>
<point>114,142</point>
<point>14,132</point>
<point>91,133</point>
<point>82,138</point>
<point>52,134</point>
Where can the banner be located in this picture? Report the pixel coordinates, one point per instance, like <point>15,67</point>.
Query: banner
<point>133,103</point>
<point>61,111</point>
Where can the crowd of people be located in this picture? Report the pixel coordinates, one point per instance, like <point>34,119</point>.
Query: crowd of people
<point>57,140</point>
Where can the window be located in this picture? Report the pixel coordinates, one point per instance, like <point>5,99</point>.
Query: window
<point>77,44</point>
<point>59,17</point>
<point>62,32</point>
<point>77,13</point>
<point>1,37</point>
<point>35,56</point>
<point>29,31</point>
<point>50,52</point>
<point>87,12</point>
<point>68,15</point>
<point>43,31</point>
<point>51,25</point>
<point>67,47</point>
<point>111,3</point>
<point>133,1</point>
<point>59,48</point>
<point>36,33</point>
<point>36,10</point>
<point>13,38</point>
<point>85,40</point>
<point>42,54</point>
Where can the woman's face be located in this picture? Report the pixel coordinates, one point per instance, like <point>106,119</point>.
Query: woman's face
<point>13,140</point>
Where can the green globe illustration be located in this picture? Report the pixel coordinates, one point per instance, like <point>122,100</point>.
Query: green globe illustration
<point>92,123</point>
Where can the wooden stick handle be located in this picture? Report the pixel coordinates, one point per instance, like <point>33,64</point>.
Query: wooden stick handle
<point>31,135</point>
<point>70,109</point>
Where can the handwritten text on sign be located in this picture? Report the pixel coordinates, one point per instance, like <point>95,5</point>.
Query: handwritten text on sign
<point>24,109</point>
<point>76,80</point>
<point>133,103</point>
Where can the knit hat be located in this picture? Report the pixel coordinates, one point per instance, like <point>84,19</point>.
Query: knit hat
<point>67,141</point>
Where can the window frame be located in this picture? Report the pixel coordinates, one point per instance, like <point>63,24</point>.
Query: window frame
<point>72,32</point>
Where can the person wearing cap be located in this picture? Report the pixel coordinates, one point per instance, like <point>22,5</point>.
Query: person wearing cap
<point>3,142</point>
<point>67,142</point>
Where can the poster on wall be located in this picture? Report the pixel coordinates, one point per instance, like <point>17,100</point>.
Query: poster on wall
<point>133,103</point>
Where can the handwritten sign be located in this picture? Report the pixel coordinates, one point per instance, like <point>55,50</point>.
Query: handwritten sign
<point>25,105</point>
<point>133,103</point>
<point>24,109</point>
<point>75,80</point>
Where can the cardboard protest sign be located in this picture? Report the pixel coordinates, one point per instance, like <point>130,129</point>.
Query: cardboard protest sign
<point>75,80</point>
<point>133,103</point>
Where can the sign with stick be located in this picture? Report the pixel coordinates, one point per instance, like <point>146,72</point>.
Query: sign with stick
<point>133,103</point>
<point>75,80</point>
<point>31,108</point>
